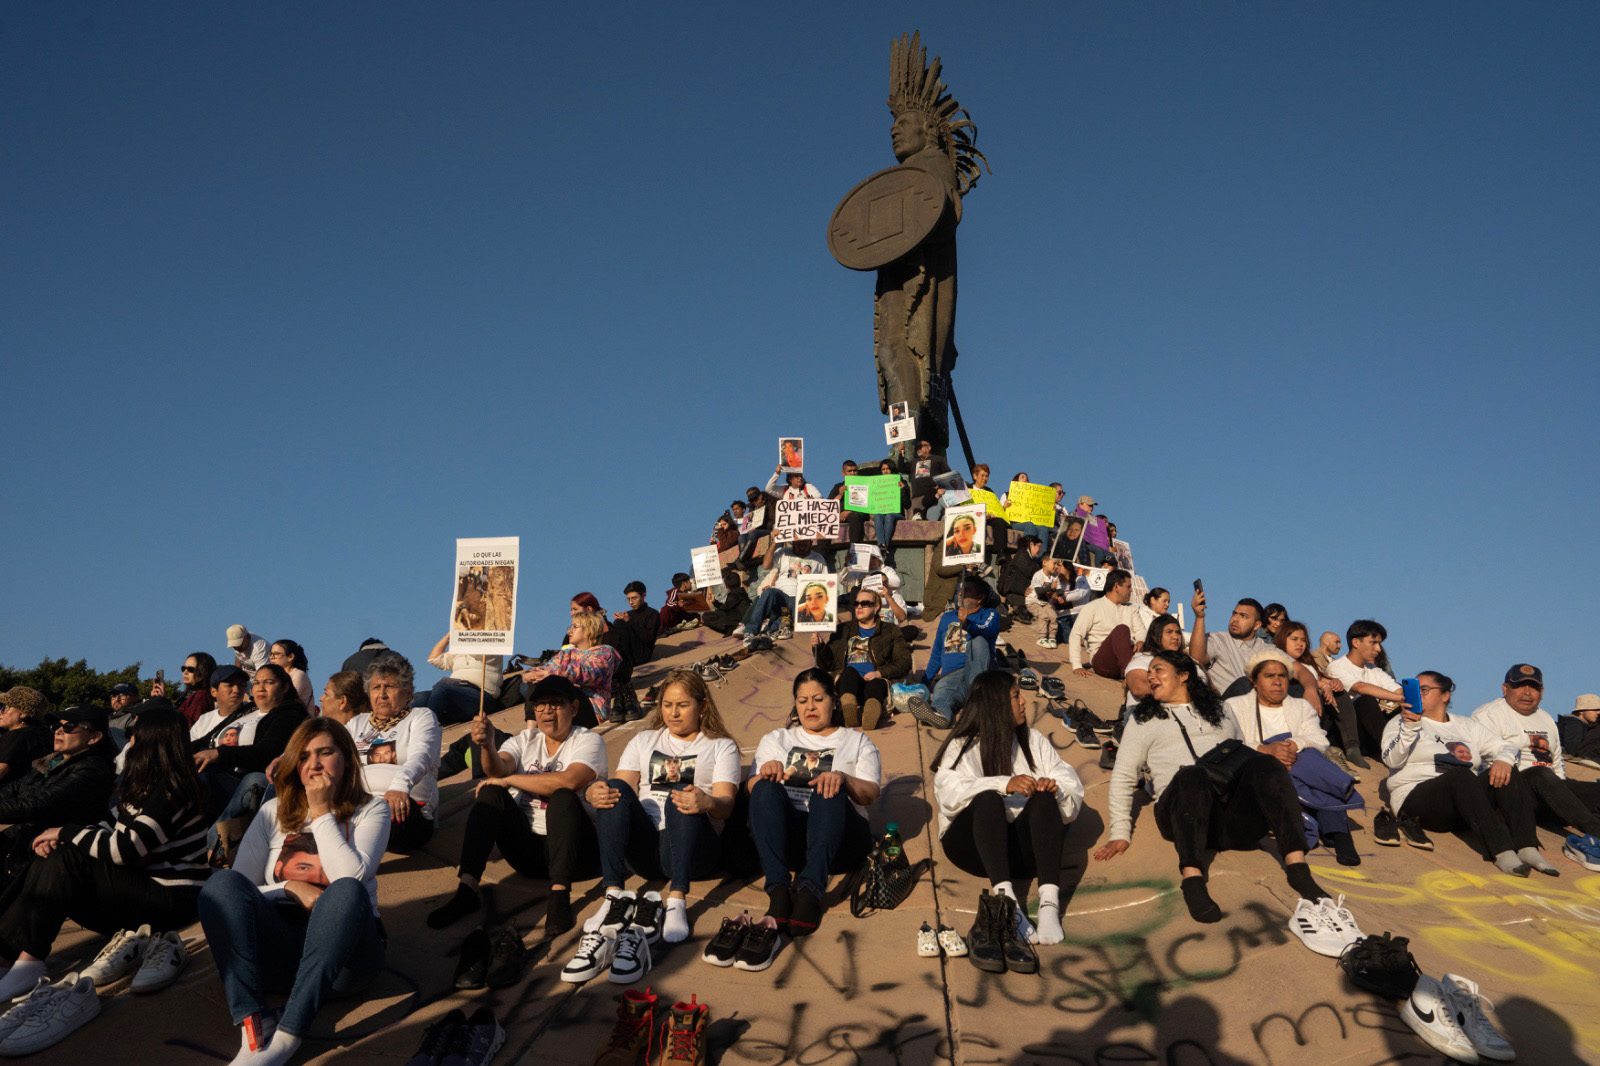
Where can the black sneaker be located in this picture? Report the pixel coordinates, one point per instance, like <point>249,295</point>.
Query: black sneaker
<point>472,971</point>
<point>436,1039</point>
<point>926,713</point>
<point>1108,756</point>
<point>1384,829</point>
<point>648,910</point>
<point>475,1043</point>
<point>1412,833</point>
<point>505,958</point>
<point>1082,715</point>
<point>724,947</point>
<point>1085,734</point>
<point>760,946</point>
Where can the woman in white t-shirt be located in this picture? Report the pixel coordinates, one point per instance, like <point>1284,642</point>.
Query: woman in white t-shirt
<point>298,911</point>
<point>1168,733</point>
<point>1004,799</point>
<point>1434,783</point>
<point>529,804</point>
<point>811,785</point>
<point>1164,634</point>
<point>660,815</point>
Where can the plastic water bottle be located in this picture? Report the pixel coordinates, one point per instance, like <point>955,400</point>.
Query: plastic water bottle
<point>1411,689</point>
<point>891,840</point>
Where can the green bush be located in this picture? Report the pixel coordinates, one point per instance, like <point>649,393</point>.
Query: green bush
<point>67,684</point>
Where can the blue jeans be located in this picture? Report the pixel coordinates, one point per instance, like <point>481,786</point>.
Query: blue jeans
<point>253,791</point>
<point>769,606</point>
<point>1044,533</point>
<point>831,838</point>
<point>883,525</point>
<point>949,692</point>
<point>687,849</point>
<point>1096,554</point>
<point>453,700</point>
<point>935,511</point>
<point>263,946</point>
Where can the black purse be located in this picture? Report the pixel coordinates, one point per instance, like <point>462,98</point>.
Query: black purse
<point>883,883</point>
<point>1223,763</point>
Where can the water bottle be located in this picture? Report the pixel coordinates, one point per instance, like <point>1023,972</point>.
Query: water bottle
<point>1411,689</point>
<point>891,840</point>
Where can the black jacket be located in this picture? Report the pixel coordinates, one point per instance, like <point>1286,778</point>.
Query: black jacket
<point>76,790</point>
<point>645,621</point>
<point>1577,738</point>
<point>887,648</point>
<point>1017,573</point>
<point>272,736</point>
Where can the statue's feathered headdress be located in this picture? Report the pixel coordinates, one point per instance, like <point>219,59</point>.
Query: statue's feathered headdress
<point>914,85</point>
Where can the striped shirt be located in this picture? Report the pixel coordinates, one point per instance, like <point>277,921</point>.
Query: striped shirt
<point>167,843</point>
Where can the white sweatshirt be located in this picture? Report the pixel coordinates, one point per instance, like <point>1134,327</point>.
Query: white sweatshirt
<point>1158,746</point>
<point>1410,751</point>
<point>1535,734</point>
<point>1093,625</point>
<point>1296,717</point>
<point>352,850</point>
<point>959,778</point>
<point>415,769</point>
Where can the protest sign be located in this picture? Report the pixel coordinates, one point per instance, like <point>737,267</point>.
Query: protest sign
<point>1097,578</point>
<point>1140,589</point>
<point>856,497</point>
<point>1123,553</point>
<point>902,430</point>
<point>1069,539</point>
<point>861,556</point>
<point>955,488</point>
<point>484,605</point>
<point>807,519</point>
<point>705,566</point>
<point>900,410</point>
<point>816,606</point>
<point>791,455</point>
<point>1027,502</point>
<point>883,493</point>
<point>753,519</point>
<point>963,534</point>
<point>990,501</point>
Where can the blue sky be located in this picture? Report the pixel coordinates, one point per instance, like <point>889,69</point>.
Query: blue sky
<point>294,295</point>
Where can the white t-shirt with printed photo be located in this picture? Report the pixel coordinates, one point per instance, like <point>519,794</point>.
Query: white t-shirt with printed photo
<point>665,763</point>
<point>531,750</point>
<point>847,751</point>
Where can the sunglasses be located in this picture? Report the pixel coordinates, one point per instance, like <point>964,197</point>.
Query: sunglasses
<point>866,603</point>
<point>72,727</point>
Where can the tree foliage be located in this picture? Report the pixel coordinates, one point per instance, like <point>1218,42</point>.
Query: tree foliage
<point>67,684</point>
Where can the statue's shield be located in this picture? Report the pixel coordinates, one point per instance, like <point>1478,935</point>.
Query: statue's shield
<point>886,216</point>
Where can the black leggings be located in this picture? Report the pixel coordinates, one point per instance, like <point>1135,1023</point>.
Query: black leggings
<point>851,683</point>
<point>98,895</point>
<point>1196,820</point>
<point>409,835</point>
<point>980,840</point>
<point>1569,802</point>
<point>1502,818</point>
<point>569,849</point>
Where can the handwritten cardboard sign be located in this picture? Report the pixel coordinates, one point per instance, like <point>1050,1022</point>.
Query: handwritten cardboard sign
<point>806,519</point>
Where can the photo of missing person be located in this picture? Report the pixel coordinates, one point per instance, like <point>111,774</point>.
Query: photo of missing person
<point>803,765</point>
<point>1455,754</point>
<point>900,410</point>
<point>381,754</point>
<point>791,454</point>
<point>298,861</point>
<point>955,640</point>
<point>816,603</point>
<point>963,536</point>
<point>229,737</point>
<point>1539,745</point>
<point>670,771</point>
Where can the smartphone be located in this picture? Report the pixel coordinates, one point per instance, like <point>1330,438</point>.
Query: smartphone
<point>1411,688</point>
<point>161,676</point>
<point>1198,587</point>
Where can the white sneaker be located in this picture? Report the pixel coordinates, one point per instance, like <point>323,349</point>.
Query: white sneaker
<point>632,960</point>
<point>1315,930</point>
<point>19,1008</point>
<point>119,957</point>
<point>1341,921</point>
<point>927,942</point>
<point>164,959</point>
<point>594,954</point>
<point>1467,1003</point>
<point>738,630</point>
<point>1430,1016</point>
<point>70,1004</point>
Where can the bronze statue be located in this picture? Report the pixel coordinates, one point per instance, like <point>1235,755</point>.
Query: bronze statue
<point>902,222</point>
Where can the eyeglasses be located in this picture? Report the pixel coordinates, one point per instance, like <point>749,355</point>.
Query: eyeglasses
<point>1429,688</point>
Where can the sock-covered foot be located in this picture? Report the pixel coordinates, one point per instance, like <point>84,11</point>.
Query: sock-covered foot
<point>1535,859</point>
<point>558,916</point>
<point>1509,863</point>
<point>675,929</point>
<point>780,903</point>
<point>1048,921</point>
<point>463,903</point>
<point>21,978</point>
<point>1344,848</point>
<point>807,916</point>
<point>1202,908</point>
<point>277,1053</point>
<point>1301,881</point>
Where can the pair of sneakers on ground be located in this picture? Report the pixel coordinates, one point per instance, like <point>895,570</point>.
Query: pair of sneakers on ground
<point>1390,830</point>
<point>456,1040</point>
<point>48,1014</point>
<point>1324,925</point>
<point>637,1038</point>
<point>618,937</point>
<point>154,960</point>
<point>1448,1015</point>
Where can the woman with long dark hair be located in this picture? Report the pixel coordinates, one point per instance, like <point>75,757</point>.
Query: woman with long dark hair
<point>139,871</point>
<point>292,657</point>
<point>1168,732</point>
<point>302,895</point>
<point>1004,798</point>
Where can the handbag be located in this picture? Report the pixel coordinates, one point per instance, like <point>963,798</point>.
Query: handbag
<point>1223,763</point>
<point>882,883</point>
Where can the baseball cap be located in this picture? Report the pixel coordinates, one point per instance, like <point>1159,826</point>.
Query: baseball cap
<point>227,673</point>
<point>236,636</point>
<point>124,688</point>
<point>1587,702</point>
<point>94,716</point>
<point>1522,673</point>
<point>552,688</point>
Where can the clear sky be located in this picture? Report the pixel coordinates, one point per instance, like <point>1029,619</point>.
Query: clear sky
<point>293,295</point>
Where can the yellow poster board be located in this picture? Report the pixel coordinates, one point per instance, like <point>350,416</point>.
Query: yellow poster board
<point>1031,503</point>
<point>991,503</point>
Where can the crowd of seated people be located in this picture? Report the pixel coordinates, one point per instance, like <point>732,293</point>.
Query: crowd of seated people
<point>246,804</point>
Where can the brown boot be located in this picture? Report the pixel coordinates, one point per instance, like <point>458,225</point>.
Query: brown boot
<point>872,714</point>
<point>633,1040</point>
<point>684,1038</point>
<point>851,708</point>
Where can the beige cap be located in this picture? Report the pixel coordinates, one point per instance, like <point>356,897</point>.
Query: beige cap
<point>1269,655</point>
<point>1587,702</point>
<point>236,636</point>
